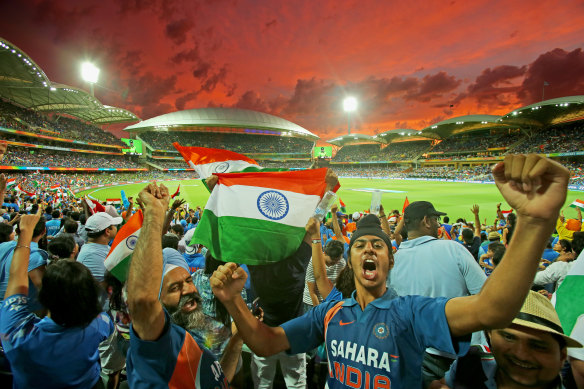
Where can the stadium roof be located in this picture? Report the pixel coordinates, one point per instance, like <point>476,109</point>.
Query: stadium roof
<point>547,113</point>
<point>462,124</point>
<point>398,134</point>
<point>353,139</point>
<point>220,117</point>
<point>25,84</point>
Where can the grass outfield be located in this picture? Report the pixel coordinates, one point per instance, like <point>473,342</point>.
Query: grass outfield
<point>450,197</point>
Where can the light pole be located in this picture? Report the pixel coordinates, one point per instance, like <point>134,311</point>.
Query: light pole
<point>90,74</point>
<point>349,105</point>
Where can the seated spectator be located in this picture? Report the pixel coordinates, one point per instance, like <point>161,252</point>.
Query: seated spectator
<point>62,247</point>
<point>6,232</point>
<point>75,328</point>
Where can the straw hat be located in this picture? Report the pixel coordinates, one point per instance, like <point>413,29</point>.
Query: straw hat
<point>539,313</point>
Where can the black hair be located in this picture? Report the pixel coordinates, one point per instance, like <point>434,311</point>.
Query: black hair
<point>115,288</point>
<point>170,240</point>
<point>70,293</point>
<point>345,282</point>
<point>49,209</point>
<point>446,219</point>
<point>498,253</point>
<point>39,229</point>
<point>70,226</point>
<point>211,264</point>
<point>467,235</point>
<point>5,232</point>
<point>61,247</point>
<point>566,244</point>
<point>179,229</point>
<point>95,235</point>
<point>512,220</point>
<point>334,249</point>
<point>82,218</point>
<point>74,215</point>
<point>578,242</point>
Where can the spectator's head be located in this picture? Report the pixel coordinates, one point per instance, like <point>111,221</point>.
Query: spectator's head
<point>6,232</point>
<point>446,220</point>
<point>498,250</point>
<point>56,214</point>
<point>370,254</point>
<point>494,236</point>
<point>170,240</point>
<point>178,230</point>
<point>422,219</point>
<point>578,242</point>
<point>532,350</point>
<point>333,252</point>
<point>70,226</point>
<point>178,294</point>
<point>573,225</point>
<point>70,282</point>
<point>39,229</point>
<point>102,226</point>
<point>467,235</point>
<point>563,246</point>
<point>75,215</point>
<point>62,247</point>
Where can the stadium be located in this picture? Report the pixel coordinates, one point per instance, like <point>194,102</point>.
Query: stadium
<point>42,121</point>
<point>61,152</point>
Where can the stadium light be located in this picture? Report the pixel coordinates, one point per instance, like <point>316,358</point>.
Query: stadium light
<point>90,74</point>
<point>349,105</point>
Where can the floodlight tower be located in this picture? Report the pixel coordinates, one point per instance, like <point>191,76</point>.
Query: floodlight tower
<point>349,105</point>
<point>90,74</point>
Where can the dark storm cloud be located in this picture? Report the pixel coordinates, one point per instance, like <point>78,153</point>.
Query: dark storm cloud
<point>492,83</point>
<point>202,70</point>
<point>252,100</point>
<point>147,89</point>
<point>310,97</point>
<point>177,30</point>
<point>191,55</point>
<point>64,19</point>
<point>433,86</point>
<point>181,102</point>
<point>562,70</point>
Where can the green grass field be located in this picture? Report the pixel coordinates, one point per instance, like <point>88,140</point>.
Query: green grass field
<point>452,198</point>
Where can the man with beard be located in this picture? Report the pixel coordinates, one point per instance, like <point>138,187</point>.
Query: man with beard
<point>164,305</point>
<point>376,339</point>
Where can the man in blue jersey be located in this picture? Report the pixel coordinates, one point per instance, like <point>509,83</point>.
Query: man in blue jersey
<point>376,339</point>
<point>163,353</point>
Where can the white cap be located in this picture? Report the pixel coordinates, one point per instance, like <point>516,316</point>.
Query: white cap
<point>100,221</point>
<point>111,210</point>
<point>356,216</point>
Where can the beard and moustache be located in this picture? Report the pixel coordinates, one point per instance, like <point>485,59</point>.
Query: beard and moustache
<point>194,320</point>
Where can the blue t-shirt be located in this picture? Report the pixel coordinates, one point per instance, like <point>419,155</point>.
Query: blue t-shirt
<point>174,360</point>
<point>37,259</point>
<point>43,354</point>
<point>195,261</point>
<point>53,227</point>
<point>550,255</point>
<point>380,346</point>
<point>93,255</point>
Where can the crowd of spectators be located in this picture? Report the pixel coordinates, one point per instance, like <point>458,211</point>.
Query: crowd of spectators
<point>561,139</point>
<point>358,153</point>
<point>17,118</point>
<point>51,158</point>
<point>241,143</point>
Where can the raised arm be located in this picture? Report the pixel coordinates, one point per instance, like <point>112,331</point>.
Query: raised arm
<point>384,221</point>
<point>322,282</point>
<point>18,276</point>
<point>477,221</point>
<point>171,213</point>
<point>336,226</point>
<point>227,282</point>
<point>146,267</point>
<point>398,229</point>
<point>536,188</point>
<point>129,210</point>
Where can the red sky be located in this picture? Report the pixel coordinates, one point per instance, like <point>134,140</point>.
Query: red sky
<point>405,61</point>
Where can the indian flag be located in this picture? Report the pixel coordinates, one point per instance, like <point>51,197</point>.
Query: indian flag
<point>577,204</point>
<point>55,188</point>
<point>208,161</point>
<point>118,259</point>
<point>10,182</point>
<point>569,300</point>
<point>259,218</point>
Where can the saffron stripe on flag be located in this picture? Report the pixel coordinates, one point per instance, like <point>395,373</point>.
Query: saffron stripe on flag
<point>300,181</point>
<point>577,204</point>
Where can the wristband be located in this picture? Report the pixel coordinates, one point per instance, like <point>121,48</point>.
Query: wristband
<point>23,246</point>
<point>314,241</point>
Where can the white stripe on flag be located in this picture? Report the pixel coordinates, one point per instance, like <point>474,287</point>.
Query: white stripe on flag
<point>122,250</point>
<point>207,169</point>
<point>242,201</point>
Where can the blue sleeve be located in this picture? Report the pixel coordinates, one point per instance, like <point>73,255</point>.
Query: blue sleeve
<point>306,332</point>
<point>16,321</point>
<point>334,295</point>
<point>430,327</point>
<point>37,259</point>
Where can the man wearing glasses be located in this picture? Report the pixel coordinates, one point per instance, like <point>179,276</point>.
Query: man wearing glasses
<point>428,266</point>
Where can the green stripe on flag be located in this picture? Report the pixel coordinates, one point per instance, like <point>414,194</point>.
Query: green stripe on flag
<point>568,302</point>
<point>248,241</point>
<point>121,270</point>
